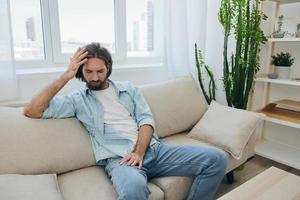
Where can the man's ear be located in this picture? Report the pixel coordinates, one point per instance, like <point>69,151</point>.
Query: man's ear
<point>108,67</point>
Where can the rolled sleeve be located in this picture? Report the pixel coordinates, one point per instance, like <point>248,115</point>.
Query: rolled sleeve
<point>142,110</point>
<point>147,121</point>
<point>60,107</point>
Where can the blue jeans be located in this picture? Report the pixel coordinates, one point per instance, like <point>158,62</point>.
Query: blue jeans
<point>206,165</point>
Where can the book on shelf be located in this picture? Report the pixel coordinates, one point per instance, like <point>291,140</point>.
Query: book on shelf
<point>288,105</point>
<point>285,109</point>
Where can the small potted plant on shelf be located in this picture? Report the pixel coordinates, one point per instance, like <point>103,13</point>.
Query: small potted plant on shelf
<point>282,63</point>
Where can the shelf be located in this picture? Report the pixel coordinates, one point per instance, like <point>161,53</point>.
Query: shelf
<point>291,39</point>
<point>281,122</point>
<point>286,1</point>
<point>278,152</point>
<point>279,81</point>
<point>276,114</point>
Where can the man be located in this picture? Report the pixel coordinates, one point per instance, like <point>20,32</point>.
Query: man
<point>122,130</point>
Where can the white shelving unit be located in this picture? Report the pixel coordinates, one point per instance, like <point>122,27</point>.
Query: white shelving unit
<point>286,1</point>
<point>279,81</point>
<point>282,122</point>
<point>273,148</point>
<point>284,39</point>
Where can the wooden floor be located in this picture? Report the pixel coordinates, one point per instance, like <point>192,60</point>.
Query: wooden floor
<point>253,167</point>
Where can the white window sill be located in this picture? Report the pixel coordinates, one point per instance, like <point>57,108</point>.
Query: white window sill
<point>49,71</point>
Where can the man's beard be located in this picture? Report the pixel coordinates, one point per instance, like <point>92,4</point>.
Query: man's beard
<point>96,85</point>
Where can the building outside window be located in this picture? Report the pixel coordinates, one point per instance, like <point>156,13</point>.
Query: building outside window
<point>49,31</point>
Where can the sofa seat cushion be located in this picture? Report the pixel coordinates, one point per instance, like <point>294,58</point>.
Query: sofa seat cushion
<point>29,187</point>
<point>92,183</point>
<point>174,187</point>
<point>182,138</point>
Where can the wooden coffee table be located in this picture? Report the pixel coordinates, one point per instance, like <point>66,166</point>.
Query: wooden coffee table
<point>271,184</point>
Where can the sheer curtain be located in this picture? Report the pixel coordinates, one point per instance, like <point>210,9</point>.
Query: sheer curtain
<point>8,84</point>
<point>184,25</point>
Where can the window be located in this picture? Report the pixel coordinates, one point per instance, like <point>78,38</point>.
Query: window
<point>27,29</point>
<point>86,21</point>
<point>47,32</point>
<point>140,22</point>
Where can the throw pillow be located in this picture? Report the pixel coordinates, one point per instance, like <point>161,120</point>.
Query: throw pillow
<point>226,127</point>
<point>29,187</point>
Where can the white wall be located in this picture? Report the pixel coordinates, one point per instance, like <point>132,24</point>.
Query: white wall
<point>196,22</point>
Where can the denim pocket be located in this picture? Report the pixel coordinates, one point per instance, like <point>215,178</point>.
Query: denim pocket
<point>111,164</point>
<point>150,156</point>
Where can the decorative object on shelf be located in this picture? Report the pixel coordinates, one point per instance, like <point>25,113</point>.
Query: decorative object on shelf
<point>279,33</point>
<point>282,63</point>
<point>243,19</point>
<point>273,75</point>
<point>298,31</point>
<point>200,64</point>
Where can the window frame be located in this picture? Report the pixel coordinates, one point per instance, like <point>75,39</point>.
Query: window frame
<point>53,57</point>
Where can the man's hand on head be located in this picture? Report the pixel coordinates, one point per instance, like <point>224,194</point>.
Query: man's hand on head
<point>76,61</point>
<point>133,159</point>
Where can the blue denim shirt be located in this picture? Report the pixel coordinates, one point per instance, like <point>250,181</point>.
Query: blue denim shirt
<point>85,106</point>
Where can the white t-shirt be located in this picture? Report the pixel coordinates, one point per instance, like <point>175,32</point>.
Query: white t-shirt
<point>115,114</point>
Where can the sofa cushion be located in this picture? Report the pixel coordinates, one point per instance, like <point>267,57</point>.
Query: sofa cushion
<point>92,183</point>
<point>29,187</point>
<point>232,163</point>
<point>176,105</point>
<point>40,146</point>
<point>226,127</point>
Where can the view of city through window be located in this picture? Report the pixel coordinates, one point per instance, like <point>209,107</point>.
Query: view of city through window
<point>86,21</point>
<point>27,29</point>
<point>140,23</point>
<point>81,22</point>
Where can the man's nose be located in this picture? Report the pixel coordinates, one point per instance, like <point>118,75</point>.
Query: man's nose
<point>95,77</point>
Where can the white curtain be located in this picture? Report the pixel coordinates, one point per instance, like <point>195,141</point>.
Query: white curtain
<point>8,85</point>
<point>184,25</point>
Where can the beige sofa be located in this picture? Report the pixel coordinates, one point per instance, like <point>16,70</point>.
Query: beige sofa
<point>62,146</point>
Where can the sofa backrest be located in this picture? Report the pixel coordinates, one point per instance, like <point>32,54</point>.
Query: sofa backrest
<point>36,146</point>
<point>176,105</point>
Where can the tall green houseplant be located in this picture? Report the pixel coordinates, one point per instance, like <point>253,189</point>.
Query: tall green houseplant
<point>202,68</point>
<point>241,18</point>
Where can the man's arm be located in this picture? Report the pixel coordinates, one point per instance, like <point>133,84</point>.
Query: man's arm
<point>40,102</point>
<point>143,141</point>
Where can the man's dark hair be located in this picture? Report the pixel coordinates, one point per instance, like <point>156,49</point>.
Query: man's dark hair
<point>95,50</point>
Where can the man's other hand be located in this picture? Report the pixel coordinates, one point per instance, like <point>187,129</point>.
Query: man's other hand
<point>133,159</point>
